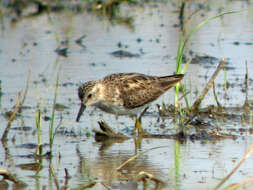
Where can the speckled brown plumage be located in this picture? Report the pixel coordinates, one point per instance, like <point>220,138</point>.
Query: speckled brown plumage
<point>124,93</point>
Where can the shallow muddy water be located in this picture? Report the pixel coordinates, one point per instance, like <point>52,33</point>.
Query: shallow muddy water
<point>29,46</point>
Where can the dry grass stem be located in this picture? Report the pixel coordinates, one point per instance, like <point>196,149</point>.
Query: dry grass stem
<point>13,115</point>
<point>246,103</point>
<point>55,177</point>
<point>105,186</point>
<point>26,89</point>
<point>215,96</point>
<point>146,176</point>
<point>209,84</point>
<point>136,156</point>
<point>240,184</point>
<point>8,176</point>
<point>244,158</point>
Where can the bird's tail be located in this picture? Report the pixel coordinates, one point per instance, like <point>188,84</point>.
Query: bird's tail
<point>170,81</point>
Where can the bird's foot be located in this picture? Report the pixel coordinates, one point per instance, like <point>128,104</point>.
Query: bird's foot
<point>138,129</point>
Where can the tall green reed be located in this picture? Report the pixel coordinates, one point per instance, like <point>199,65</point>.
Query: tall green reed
<point>182,43</point>
<point>38,125</point>
<point>51,126</point>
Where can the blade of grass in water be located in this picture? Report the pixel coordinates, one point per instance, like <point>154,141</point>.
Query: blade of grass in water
<point>182,44</point>
<point>179,52</point>
<point>38,125</point>
<point>196,28</point>
<point>51,127</point>
<point>177,161</point>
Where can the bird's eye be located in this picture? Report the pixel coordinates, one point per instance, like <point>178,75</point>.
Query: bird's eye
<point>89,96</point>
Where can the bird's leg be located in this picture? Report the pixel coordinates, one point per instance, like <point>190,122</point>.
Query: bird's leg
<point>137,143</point>
<point>138,125</point>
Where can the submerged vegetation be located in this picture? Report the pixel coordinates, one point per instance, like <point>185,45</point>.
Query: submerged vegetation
<point>130,167</point>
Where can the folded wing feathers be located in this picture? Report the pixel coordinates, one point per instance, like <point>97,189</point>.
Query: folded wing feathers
<point>142,89</point>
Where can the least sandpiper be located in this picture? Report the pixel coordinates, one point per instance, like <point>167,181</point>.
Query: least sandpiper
<point>124,93</point>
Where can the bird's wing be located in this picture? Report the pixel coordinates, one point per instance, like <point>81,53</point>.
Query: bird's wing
<point>140,90</point>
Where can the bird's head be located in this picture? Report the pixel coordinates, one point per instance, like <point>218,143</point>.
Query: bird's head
<point>88,95</point>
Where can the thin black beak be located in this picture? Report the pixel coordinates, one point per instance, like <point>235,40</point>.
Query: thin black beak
<point>81,110</point>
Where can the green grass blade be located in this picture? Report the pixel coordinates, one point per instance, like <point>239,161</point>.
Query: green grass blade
<point>181,47</point>
<point>196,28</point>
<point>51,127</point>
<point>179,52</point>
<point>38,125</point>
<point>186,66</point>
